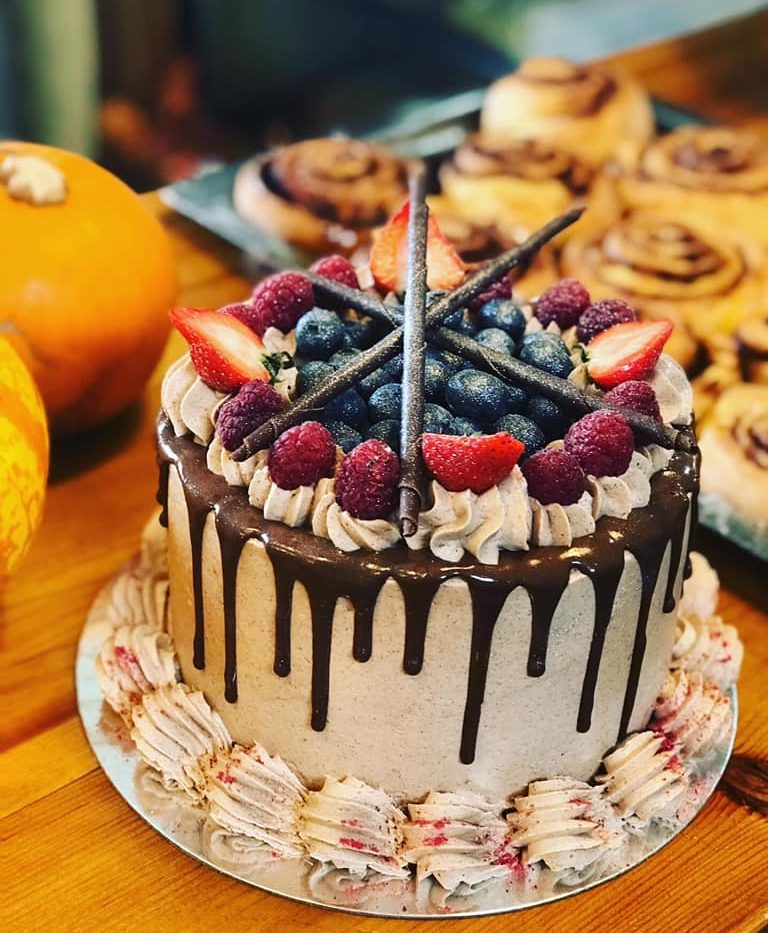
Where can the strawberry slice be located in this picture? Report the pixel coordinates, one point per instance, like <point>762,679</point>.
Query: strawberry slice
<point>476,462</point>
<point>626,351</point>
<point>224,351</point>
<point>389,257</point>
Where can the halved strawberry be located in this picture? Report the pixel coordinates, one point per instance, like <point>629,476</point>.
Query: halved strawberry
<point>224,351</point>
<point>389,257</point>
<point>626,351</point>
<point>476,462</point>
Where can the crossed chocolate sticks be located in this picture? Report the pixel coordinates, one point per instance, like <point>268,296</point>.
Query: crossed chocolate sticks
<point>413,328</point>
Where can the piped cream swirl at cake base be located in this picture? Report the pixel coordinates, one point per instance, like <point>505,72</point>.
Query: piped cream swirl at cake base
<point>710,646</point>
<point>133,661</point>
<point>694,711</point>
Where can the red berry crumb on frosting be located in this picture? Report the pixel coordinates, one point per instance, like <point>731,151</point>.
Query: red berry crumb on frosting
<point>254,404</point>
<point>337,269</point>
<point>302,455</point>
<point>639,396</point>
<point>280,300</point>
<point>602,315</point>
<point>475,462</point>
<point>602,442</point>
<point>367,480</point>
<point>554,476</point>
<point>562,303</point>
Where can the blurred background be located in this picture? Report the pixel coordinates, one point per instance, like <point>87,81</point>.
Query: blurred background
<point>157,89</point>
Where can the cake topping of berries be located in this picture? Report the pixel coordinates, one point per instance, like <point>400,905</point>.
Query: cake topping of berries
<point>366,484</point>
<point>501,290</point>
<point>554,476</point>
<point>302,455</point>
<point>280,300</point>
<point>626,351</point>
<point>602,442</point>
<point>562,303</point>
<point>337,269</point>
<point>255,403</point>
<point>244,311</point>
<point>639,396</point>
<point>601,315</point>
<point>475,462</point>
<point>445,268</point>
<point>225,352</point>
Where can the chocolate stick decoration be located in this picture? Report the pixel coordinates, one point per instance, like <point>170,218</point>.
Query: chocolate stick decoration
<point>414,347</point>
<point>388,347</point>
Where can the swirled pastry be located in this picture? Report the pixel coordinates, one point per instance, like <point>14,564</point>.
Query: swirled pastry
<point>592,113</point>
<point>321,194</point>
<point>707,280</point>
<point>713,171</point>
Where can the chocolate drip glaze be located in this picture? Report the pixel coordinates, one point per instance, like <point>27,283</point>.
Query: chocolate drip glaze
<point>163,467</point>
<point>328,575</point>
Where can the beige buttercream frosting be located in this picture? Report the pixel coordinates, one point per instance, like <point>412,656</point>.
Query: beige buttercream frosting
<point>701,590</point>
<point>709,646</point>
<point>134,660</point>
<point>345,531</point>
<point>673,391</point>
<point>694,711</point>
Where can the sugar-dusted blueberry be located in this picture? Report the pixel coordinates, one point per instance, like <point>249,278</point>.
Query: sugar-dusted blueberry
<point>387,431</point>
<point>395,367</point>
<point>359,334</point>
<point>496,339</point>
<point>466,427</point>
<point>342,357</point>
<point>436,376</point>
<point>348,407</point>
<point>547,352</point>
<point>343,435</point>
<point>462,322</point>
<point>452,360</point>
<point>552,420</point>
<point>385,403</point>
<point>311,374</point>
<point>525,430</point>
<point>478,396</point>
<point>437,420</point>
<point>375,380</point>
<point>506,315</point>
<point>319,334</point>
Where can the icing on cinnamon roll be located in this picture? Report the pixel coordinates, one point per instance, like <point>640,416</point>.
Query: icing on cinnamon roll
<point>322,193</point>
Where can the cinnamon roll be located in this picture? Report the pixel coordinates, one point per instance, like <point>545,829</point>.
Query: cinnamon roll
<point>707,280</point>
<point>713,171</point>
<point>592,113</point>
<point>477,241</point>
<point>522,182</point>
<point>322,194</point>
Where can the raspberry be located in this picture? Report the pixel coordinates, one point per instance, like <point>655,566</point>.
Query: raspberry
<point>337,269</point>
<point>475,462</point>
<point>602,442</point>
<point>601,315</point>
<point>367,480</point>
<point>554,476</point>
<point>302,455</point>
<point>499,291</point>
<point>254,404</point>
<point>280,300</point>
<point>562,303</point>
<point>638,396</point>
<point>246,312</point>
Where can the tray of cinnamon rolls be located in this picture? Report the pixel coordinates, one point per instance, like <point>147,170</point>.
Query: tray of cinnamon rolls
<point>677,225</point>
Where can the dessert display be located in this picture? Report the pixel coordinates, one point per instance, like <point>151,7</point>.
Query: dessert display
<point>414,608</point>
<point>322,194</point>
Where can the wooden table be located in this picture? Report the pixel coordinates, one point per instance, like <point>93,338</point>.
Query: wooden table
<point>77,858</point>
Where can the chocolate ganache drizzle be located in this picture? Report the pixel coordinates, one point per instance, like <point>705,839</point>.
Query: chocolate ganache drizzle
<point>328,575</point>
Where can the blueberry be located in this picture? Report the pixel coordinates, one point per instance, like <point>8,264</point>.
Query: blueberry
<point>517,400</point>
<point>436,376</point>
<point>387,431</point>
<point>350,408</point>
<point>465,426</point>
<point>385,403</point>
<point>524,430</point>
<point>437,420</point>
<point>546,352</point>
<point>461,321</point>
<point>452,360</point>
<point>319,334</point>
<point>311,374</point>
<point>347,438</point>
<point>342,357</point>
<point>496,339</point>
<point>395,367</point>
<point>359,334</point>
<point>505,315</point>
<point>478,396</point>
<point>375,380</point>
<point>552,420</point>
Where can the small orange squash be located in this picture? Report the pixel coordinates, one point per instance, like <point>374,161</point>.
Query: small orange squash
<point>23,458</point>
<point>86,282</point>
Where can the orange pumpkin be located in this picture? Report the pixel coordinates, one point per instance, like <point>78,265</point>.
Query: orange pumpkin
<point>23,458</point>
<point>85,287</point>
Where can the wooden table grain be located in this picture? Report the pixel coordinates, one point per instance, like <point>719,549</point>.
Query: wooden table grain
<point>77,858</point>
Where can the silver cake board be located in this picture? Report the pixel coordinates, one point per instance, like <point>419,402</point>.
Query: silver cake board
<point>184,826</point>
